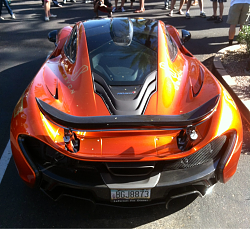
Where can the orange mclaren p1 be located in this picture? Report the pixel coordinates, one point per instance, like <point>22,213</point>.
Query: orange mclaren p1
<point>121,113</point>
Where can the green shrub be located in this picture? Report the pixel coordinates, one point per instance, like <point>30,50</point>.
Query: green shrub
<point>244,37</point>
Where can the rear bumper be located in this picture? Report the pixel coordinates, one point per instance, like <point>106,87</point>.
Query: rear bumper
<point>58,175</point>
<point>96,187</point>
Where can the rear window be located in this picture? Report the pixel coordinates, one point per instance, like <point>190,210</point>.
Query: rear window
<point>123,65</point>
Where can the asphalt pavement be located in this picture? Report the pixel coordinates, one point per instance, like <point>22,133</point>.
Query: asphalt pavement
<point>23,49</point>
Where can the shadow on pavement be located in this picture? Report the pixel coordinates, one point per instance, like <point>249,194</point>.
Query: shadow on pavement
<point>13,83</point>
<point>34,207</point>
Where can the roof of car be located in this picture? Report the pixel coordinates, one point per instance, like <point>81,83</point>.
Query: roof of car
<point>143,31</point>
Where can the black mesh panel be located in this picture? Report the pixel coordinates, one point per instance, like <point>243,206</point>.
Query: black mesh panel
<point>204,155</point>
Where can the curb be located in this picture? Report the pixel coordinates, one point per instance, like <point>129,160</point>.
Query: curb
<point>229,83</point>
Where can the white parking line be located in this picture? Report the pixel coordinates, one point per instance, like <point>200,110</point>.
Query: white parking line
<point>4,161</point>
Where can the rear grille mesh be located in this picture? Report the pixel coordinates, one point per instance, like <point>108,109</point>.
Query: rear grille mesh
<point>204,155</point>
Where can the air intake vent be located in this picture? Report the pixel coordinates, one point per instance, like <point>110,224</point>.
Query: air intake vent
<point>207,153</point>
<point>130,168</point>
<point>126,100</point>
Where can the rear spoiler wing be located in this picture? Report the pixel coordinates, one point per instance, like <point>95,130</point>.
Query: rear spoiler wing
<point>125,122</point>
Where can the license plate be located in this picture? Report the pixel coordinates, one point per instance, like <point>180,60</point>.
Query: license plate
<point>130,195</point>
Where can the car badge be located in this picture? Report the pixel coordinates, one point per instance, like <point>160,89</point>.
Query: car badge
<point>126,93</point>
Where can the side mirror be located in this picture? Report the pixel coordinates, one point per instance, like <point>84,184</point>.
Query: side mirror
<point>185,35</point>
<point>52,36</point>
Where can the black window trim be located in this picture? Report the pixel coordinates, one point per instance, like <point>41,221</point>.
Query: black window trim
<point>67,43</point>
<point>169,39</point>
